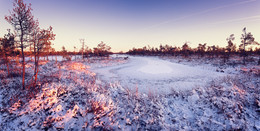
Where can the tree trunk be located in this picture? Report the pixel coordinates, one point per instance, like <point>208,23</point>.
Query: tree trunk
<point>23,62</point>
<point>244,53</point>
<point>35,68</point>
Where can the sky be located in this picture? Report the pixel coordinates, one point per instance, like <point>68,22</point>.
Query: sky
<point>124,24</point>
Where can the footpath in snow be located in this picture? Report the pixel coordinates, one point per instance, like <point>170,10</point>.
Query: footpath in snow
<point>151,74</point>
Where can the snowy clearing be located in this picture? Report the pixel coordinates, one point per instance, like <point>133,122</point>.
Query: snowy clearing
<point>157,75</point>
<point>70,96</point>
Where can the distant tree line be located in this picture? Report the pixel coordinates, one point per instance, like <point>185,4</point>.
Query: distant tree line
<point>203,50</point>
<point>102,50</point>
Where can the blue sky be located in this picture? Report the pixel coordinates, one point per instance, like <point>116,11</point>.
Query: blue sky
<point>124,24</point>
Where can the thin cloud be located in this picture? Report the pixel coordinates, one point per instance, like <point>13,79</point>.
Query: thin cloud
<point>251,18</point>
<point>199,13</point>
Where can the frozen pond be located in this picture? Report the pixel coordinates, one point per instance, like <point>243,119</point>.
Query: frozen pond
<point>156,75</point>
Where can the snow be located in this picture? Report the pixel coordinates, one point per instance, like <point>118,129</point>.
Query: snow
<point>156,67</point>
<point>54,57</point>
<point>151,73</point>
<point>97,94</point>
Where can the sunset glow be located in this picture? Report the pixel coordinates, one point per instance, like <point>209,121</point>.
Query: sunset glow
<point>137,23</point>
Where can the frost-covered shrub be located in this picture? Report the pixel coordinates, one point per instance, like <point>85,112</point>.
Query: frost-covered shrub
<point>233,101</point>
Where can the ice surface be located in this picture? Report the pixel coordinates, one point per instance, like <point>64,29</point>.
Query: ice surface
<point>154,67</point>
<point>151,73</point>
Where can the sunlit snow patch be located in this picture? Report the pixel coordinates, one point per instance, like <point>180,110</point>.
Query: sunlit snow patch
<point>155,67</point>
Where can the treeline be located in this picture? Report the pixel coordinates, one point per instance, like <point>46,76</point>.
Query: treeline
<point>203,50</point>
<point>102,50</point>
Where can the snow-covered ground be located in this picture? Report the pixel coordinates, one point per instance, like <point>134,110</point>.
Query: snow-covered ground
<point>56,57</point>
<point>111,94</point>
<point>156,75</point>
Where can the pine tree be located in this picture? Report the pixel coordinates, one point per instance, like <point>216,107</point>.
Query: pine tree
<point>231,47</point>
<point>247,39</point>
<point>40,38</point>
<point>7,48</point>
<point>21,19</point>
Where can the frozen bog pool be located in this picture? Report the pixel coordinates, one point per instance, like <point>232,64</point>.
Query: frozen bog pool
<point>151,74</point>
<point>154,67</point>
